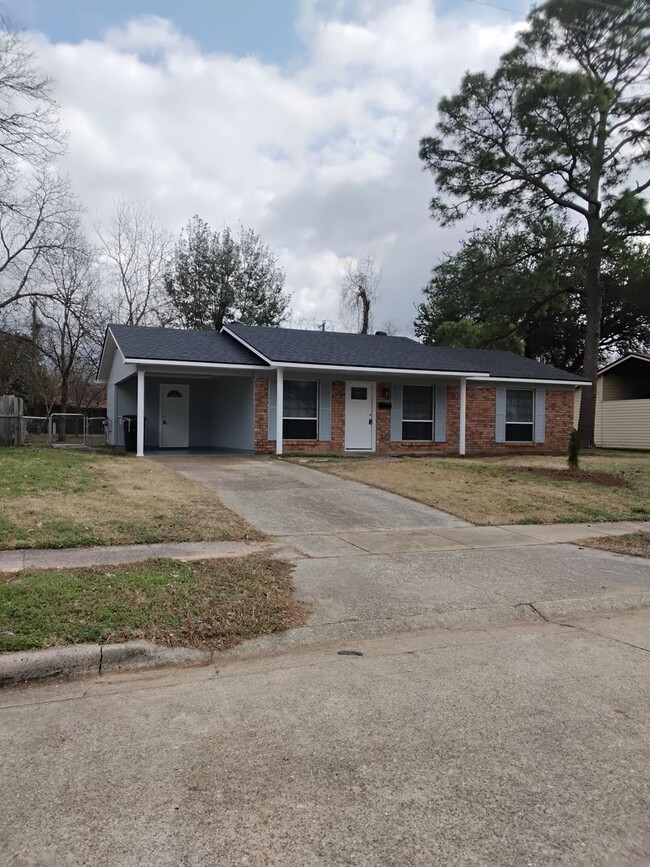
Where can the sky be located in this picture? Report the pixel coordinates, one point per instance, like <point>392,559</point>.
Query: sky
<point>298,118</point>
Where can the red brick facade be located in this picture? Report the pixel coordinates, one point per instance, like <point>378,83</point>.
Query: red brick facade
<point>479,426</point>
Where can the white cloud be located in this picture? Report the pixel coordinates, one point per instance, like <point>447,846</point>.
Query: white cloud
<point>319,156</point>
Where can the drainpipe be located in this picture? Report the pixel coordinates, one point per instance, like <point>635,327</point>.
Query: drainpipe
<point>140,412</point>
<point>279,412</point>
<point>461,427</point>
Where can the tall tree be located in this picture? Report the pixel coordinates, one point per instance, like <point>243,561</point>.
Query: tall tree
<point>521,287</point>
<point>359,290</point>
<point>135,248</point>
<point>67,314</point>
<point>216,277</point>
<point>35,203</point>
<point>562,125</point>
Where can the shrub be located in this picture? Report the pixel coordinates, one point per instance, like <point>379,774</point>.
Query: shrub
<point>574,450</point>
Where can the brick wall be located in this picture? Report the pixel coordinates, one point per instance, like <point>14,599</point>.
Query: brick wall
<point>450,446</point>
<point>479,431</point>
<point>263,444</point>
<point>481,424</point>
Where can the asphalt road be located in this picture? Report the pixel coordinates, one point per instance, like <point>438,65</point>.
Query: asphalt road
<point>519,745</point>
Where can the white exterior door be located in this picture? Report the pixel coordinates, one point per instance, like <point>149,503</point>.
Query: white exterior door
<point>359,416</point>
<point>174,416</point>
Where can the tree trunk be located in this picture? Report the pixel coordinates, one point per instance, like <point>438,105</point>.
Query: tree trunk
<point>365,311</point>
<point>594,311</point>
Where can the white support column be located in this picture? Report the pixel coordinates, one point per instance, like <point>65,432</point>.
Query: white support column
<point>140,411</point>
<point>279,412</point>
<point>461,426</point>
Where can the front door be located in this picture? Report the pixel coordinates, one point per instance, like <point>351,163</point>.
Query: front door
<point>359,416</point>
<point>174,416</point>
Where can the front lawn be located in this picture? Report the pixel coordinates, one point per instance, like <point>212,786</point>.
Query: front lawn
<point>511,490</point>
<point>208,603</point>
<point>62,498</point>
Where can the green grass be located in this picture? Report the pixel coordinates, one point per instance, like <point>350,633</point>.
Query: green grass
<point>208,603</point>
<point>32,472</point>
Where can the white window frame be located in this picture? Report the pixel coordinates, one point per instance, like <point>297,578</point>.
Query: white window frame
<point>421,420</point>
<point>301,417</point>
<point>531,422</point>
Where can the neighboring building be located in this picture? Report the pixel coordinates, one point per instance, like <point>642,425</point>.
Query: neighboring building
<point>233,391</point>
<point>622,404</point>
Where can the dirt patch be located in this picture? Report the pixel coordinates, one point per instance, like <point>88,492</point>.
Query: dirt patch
<point>607,480</point>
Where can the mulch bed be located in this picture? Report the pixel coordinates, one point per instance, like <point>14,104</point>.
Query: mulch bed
<point>607,480</point>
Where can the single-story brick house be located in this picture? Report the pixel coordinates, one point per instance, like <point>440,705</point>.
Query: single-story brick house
<point>234,390</point>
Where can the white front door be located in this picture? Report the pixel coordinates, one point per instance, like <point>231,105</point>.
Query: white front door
<point>359,416</point>
<point>174,416</point>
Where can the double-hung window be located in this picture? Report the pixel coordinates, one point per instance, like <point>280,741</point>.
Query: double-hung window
<point>519,415</point>
<point>417,412</point>
<point>300,410</point>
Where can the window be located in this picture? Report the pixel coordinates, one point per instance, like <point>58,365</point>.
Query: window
<point>358,392</point>
<point>519,415</point>
<point>300,410</point>
<point>417,412</point>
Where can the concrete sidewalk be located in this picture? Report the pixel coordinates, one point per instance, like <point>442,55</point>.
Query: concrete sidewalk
<point>112,555</point>
<point>320,545</point>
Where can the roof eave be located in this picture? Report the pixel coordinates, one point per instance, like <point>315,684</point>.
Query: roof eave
<point>625,358</point>
<point>175,362</point>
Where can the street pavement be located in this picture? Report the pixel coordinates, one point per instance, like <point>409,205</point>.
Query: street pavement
<point>518,745</point>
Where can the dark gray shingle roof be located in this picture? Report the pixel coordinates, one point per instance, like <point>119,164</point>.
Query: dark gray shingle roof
<point>291,345</point>
<point>178,344</point>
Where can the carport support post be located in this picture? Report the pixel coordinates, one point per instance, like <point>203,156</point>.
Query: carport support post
<point>462,412</point>
<point>140,411</point>
<point>279,412</point>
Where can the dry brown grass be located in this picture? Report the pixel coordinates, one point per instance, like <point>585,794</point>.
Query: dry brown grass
<point>62,500</point>
<point>490,491</point>
<point>632,544</point>
<point>208,603</point>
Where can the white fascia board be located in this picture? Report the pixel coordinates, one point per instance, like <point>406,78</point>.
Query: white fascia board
<point>496,380</point>
<point>99,377</point>
<point>388,371</point>
<point>627,357</point>
<point>247,345</point>
<point>212,365</point>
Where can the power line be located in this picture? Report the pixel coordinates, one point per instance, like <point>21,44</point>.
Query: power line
<point>597,3</point>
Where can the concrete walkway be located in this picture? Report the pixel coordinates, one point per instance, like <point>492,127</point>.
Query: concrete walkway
<point>320,545</point>
<point>112,555</point>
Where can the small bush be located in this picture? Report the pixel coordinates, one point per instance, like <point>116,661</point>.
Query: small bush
<point>574,450</point>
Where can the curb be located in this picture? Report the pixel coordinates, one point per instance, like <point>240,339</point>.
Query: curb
<point>93,659</point>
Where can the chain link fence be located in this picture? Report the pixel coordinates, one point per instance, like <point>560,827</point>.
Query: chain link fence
<point>57,429</point>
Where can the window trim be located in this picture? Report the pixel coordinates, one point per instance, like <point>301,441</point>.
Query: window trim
<point>432,420</point>
<point>315,418</point>
<point>533,392</point>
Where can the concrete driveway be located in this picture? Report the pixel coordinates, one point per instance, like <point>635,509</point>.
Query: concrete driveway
<point>370,563</point>
<point>283,499</point>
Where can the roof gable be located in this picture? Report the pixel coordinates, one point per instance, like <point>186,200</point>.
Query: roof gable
<point>182,345</point>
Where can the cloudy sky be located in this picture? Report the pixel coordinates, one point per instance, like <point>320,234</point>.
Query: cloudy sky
<point>299,118</point>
